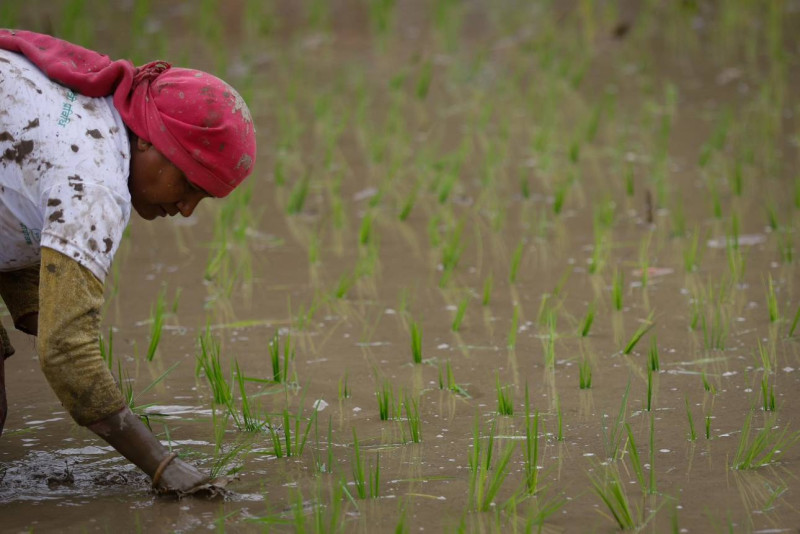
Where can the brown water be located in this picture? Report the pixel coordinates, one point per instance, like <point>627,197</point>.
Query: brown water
<point>515,105</point>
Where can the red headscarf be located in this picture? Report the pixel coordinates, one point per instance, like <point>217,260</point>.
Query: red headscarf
<point>196,120</point>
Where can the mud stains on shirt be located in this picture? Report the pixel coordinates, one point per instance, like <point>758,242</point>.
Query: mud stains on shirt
<point>18,151</point>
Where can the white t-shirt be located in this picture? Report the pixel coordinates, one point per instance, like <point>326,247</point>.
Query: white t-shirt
<point>64,165</point>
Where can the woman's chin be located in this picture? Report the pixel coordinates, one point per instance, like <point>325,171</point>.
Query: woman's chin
<point>148,213</point>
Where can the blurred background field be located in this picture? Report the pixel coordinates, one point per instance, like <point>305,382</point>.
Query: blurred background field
<point>502,266</point>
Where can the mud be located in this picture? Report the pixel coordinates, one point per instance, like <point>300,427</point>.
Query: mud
<point>501,111</point>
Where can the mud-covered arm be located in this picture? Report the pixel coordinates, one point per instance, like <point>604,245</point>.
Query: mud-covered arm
<point>70,299</point>
<point>20,292</point>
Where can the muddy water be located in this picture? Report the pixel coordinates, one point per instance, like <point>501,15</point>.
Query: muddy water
<point>511,89</point>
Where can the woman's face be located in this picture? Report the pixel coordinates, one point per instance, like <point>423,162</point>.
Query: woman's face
<point>158,188</point>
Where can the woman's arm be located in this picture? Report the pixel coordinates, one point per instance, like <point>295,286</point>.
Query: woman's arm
<point>70,299</point>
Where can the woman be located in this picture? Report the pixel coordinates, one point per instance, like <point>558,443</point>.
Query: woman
<point>82,140</point>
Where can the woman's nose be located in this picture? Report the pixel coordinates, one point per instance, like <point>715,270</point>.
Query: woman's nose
<point>188,205</point>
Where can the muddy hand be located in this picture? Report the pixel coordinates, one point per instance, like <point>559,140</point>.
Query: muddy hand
<point>177,476</point>
<point>125,432</point>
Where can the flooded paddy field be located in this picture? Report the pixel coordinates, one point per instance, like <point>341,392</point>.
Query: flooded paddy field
<point>510,266</point>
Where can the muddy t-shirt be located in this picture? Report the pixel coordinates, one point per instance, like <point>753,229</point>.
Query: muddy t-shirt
<point>64,163</point>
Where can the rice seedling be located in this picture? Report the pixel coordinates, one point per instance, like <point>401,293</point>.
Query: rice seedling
<point>733,235</point>
<point>416,342</point>
<point>365,231</point>
<point>505,400</point>
<point>772,301</point>
<point>407,206</point>
<point>297,196</point>
<point>448,181</point>
<point>585,374</point>
<point>708,386</point>
<point>785,247</point>
<point>559,420</point>
<point>737,178</point>
<point>531,447</point>
<point>208,361</point>
<point>772,216</point>
<point>715,330</point>
<point>795,322</point>
<point>366,481</point>
<point>616,290</point>
<point>611,490</point>
<point>413,422</point>
<point>736,261</point>
<point>225,457</point>
<point>766,356</point>
<point>575,151</point>
<point>636,459</point>
<point>447,381</point>
<point>708,427</point>
<point>327,466</point>
<point>280,372</point>
<point>294,437</point>
<point>629,182</point>
<point>344,285</point>
<point>560,195</point>
<point>451,254</point>
<point>691,258</point>
<point>487,291</point>
<point>716,202</point>
<point>649,404</point>
<point>678,218</point>
<point>588,319</point>
<point>424,81</point>
<point>381,14</point>
<point>344,387</point>
<point>249,421</point>
<point>541,510</point>
<point>612,436</point>
<point>486,479</point>
<point>766,447</point>
<point>651,486</point>
<point>461,310</point>
<point>131,398</point>
<point>385,396</point>
<point>599,251</point>
<point>157,324</point>
<point>402,527</point>
<point>652,355</point>
<point>692,433</point>
<point>696,313</point>
<point>767,394</point>
<point>641,331</point>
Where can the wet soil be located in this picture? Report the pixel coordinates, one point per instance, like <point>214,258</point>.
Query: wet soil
<point>508,111</point>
